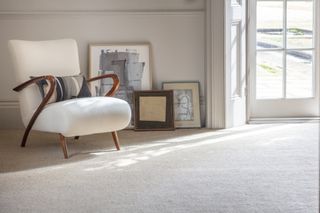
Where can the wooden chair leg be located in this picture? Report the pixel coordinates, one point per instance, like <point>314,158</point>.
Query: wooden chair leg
<point>26,134</point>
<point>116,140</point>
<point>64,147</point>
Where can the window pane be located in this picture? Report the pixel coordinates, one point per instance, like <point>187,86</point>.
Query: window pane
<point>269,27</point>
<point>299,74</point>
<point>299,24</point>
<point>269,81</point>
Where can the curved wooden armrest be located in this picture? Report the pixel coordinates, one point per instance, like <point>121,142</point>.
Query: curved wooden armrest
<point>115,86</point>
<point>20,87</point>
<point>45,100</point>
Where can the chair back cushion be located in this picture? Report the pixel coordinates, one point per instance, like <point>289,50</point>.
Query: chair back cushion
<point>37,58</point>
<point>67,87</point>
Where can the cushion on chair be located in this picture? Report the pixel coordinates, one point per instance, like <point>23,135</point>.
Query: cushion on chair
<point>67,87</point>
<point>84,116</point>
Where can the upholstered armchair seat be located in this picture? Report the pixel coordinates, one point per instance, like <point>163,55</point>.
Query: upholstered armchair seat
<point>84,116</point>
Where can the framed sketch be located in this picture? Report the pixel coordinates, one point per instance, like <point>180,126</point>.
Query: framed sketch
<point>154,110</point>
<point>130,62</point>
<point>186,103</point>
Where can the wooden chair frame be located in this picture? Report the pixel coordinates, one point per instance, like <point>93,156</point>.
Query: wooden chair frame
<point>47,97</point>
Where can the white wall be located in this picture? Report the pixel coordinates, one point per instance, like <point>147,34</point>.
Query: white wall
<point>174,28</point>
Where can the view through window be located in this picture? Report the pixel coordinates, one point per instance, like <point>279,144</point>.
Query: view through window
<point>284,49</point>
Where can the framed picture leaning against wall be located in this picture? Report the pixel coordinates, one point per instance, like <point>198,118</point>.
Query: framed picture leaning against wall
<point>154,110</point>
<point>130,62</point>
<point>186,103</point>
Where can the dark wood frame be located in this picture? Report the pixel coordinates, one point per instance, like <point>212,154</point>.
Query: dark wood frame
<point>154,125</point>
<point>45,100</point>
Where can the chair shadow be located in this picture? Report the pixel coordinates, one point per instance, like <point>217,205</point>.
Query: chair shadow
<point>43,149</point>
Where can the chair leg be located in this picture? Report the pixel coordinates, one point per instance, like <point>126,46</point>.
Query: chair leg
<point>25,136</point>
<point>116,140</point>
<point>64,147</point>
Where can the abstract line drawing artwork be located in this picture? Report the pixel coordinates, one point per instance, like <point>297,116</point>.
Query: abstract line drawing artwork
<point>129,62</point>
<point>126,66</point>
<point>183,105</point>
<point>186,103</point>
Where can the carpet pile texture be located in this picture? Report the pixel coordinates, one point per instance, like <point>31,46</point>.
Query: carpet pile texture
<point>256,168</point>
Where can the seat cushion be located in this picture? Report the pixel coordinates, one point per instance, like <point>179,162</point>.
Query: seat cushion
<point>84,116</point>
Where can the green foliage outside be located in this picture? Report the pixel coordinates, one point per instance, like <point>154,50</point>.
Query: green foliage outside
<point>269,69</point>
<point>296,31</point>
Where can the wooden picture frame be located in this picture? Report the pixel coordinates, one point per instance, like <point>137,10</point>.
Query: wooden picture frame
<point>186,103</point>
<point>154,110</point>
<point>129,61</point>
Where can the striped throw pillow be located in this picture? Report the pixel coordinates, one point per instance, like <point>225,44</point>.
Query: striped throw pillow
<point>67,87</point>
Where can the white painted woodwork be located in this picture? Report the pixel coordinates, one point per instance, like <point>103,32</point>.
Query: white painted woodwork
<point>235,62</point>
<point>215,80</point>
<point>282,108</point>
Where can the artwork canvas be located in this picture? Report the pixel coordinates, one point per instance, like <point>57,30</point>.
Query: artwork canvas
<point>183,104</point>
<point>149,105</point>
<point>186,103</point>
<point>130,62</point>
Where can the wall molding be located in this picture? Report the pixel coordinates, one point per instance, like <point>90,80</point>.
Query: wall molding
<point>9,104</point>
<point>10,115</point>
<point>105,12</point>
<point>15,104</point>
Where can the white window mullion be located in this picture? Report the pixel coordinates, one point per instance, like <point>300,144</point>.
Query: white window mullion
<point>289,50</point>
<point>298,100</point>
<point>314,51</point>
<point>284,78</point>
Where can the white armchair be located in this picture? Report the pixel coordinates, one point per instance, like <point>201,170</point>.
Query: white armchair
<point>44,60</point>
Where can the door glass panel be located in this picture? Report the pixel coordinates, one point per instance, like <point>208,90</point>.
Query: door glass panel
<point>269,27</point>
<point>299,74</point>
<point>269,71</point>
<point>299,24</point>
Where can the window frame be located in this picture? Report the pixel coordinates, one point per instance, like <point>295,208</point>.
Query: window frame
<point>284,49</point>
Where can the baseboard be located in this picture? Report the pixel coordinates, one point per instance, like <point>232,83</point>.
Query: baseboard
<point>284,120</point>
<point>10,115</point>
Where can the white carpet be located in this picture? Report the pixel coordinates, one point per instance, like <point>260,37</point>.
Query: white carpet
<point>256,168</point>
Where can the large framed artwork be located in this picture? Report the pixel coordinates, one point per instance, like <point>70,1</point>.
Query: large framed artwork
<point>130,62</point>
<point>186,103</point>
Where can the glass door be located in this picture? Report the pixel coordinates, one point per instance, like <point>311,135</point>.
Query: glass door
<point>284,67</point>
